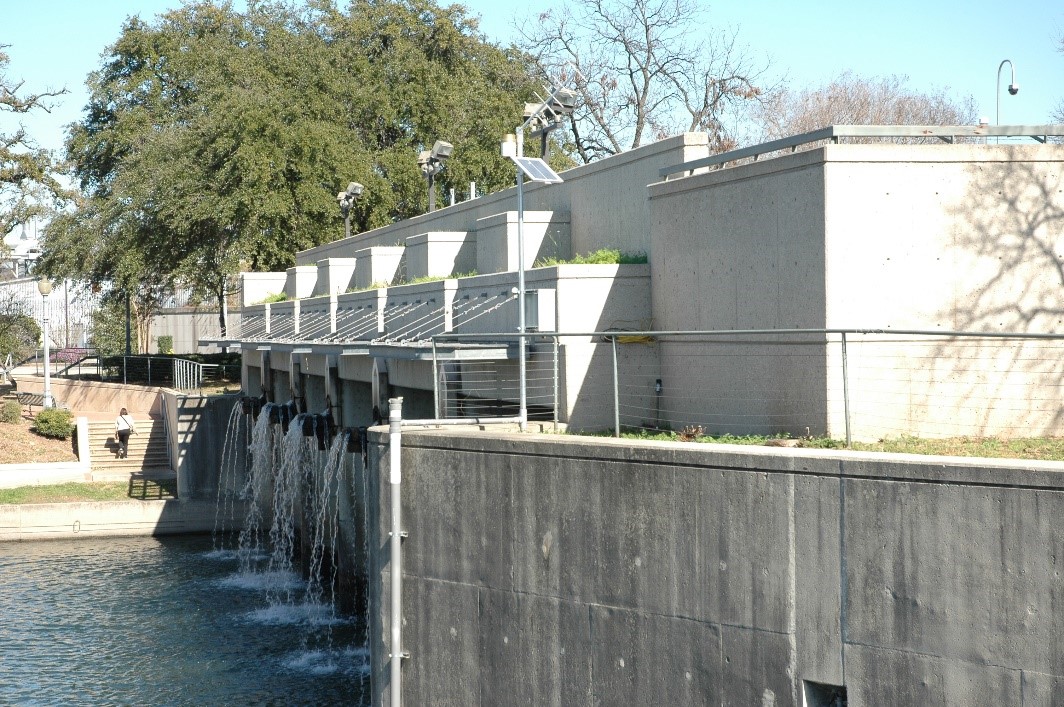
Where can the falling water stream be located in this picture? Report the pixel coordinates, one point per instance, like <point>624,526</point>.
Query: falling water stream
<point>248,618</point>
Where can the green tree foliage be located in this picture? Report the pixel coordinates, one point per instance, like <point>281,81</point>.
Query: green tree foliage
<point>19,332</point>
<point>215,141</point>
<point>28,186</point>
<point>108,334</point>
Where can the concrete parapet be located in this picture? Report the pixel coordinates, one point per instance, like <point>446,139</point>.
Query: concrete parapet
<point>441,254</point>
<point>334,276</point>
<point>301,281</point>
<point>257,286</point>
<point>546,235</point>
<point>544,568</point>
<point>377,266</point>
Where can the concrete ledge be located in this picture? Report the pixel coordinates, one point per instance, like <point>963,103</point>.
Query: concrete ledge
<point>839,463</point>
<point>48,521</point>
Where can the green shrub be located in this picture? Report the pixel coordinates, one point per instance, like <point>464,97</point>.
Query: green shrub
<point>54,423</point>
<point>602,256</point>
<point>275,297</point>
<point>166,344</point>
<point>11,412</point>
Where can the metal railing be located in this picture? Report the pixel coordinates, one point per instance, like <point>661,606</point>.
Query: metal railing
<point>837,133</point>
<point>842,383</point>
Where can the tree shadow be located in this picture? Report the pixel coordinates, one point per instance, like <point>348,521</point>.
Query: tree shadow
<point>1007,264</point>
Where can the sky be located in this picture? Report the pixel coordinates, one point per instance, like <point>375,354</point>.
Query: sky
<point>937,44</point>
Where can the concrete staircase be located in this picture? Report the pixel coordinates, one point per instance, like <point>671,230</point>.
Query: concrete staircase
<point>148,457</point>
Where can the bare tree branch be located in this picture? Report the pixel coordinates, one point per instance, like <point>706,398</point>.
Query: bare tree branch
<point>645,74</point>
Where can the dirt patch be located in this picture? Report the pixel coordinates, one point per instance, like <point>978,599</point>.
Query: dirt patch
<point>19,444</point>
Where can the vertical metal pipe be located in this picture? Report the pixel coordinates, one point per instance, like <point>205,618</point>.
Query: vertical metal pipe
<point>846,389</point>
<point>616,392</point>
<point>522,412</point>
<point>149,370</point>
<point>556,385</point>
<point>395,478</point>
<point>435,382</point>
<point>48,402</point>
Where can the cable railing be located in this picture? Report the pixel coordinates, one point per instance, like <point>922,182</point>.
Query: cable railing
<point>846,384</point>
<point>840,133</point>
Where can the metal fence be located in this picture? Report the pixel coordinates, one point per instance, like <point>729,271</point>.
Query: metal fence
<point>842,383</point>
<point>163,371</point>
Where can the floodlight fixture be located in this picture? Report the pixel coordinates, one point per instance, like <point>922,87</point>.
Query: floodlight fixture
<point>549,114</point>
<point>431,163</point>
<point>346,199</point>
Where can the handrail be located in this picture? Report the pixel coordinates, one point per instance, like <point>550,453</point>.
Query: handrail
<point>946,133</point>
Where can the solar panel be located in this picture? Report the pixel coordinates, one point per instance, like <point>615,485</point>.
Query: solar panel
<point>537,170</point>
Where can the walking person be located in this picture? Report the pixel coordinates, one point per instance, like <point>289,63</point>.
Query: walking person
<point>123,428</point>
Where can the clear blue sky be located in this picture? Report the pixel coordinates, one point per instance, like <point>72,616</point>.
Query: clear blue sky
<point>936,43</point>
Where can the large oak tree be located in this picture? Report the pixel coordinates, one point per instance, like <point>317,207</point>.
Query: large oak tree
<point>216,140</point>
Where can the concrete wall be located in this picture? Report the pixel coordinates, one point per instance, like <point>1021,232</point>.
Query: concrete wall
<point>545,570</point>
<point>95,399</point>
<point>188,326</point>
<point>932,237</point>
<point>197,426</point>
<point>53,521</point>
<point>606,202</point>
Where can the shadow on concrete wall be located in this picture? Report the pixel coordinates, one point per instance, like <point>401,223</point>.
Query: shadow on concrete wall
<point>1009,257</point>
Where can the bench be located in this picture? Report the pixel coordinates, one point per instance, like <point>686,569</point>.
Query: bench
<point>31,399</point>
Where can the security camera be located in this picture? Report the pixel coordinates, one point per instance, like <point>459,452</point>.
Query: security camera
<point>1014,88</point>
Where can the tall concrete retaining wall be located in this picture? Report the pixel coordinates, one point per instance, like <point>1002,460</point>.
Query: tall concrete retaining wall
<point>563,571</point>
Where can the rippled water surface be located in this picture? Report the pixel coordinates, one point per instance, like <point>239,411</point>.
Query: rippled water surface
<point>143,621</point>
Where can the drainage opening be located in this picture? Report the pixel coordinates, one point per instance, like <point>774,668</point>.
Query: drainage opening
<point>818,694</point>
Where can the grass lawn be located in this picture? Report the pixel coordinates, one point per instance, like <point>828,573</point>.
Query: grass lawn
<point>74,492</point>
<point>1040,448</point>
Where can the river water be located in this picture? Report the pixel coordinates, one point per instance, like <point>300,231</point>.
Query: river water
<point>167,621</point>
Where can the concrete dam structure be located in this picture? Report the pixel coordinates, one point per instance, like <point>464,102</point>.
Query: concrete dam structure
<point>547,569</point>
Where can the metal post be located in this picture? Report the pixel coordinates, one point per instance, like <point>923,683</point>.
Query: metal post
<point>616,392</point>
<point>149,370</point>
<point>522,412</point>
<point>435,382</point>
<point>129,340</point>
<point>395,478</point>
<point>47,360</point>
<point>556,386</point>
<point>846,389</point>
<point>125,365</point>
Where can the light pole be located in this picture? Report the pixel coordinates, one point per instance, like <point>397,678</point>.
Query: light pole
<point>1014,88</point>
<point>347,199</point>
<point>44,286</point>
<point>431,164</point>
<point>558,104</point>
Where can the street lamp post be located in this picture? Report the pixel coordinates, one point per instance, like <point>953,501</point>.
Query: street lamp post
<point>544,117</point>
<point>347,199</point>
<point>431,164</point>
<point>44,286</point>
<point>1014,88</point>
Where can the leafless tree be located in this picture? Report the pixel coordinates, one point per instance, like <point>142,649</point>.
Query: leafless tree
<point>1058,114</point>
<point>646,69</point>
<point>27,173</point>
<point>854,100</point>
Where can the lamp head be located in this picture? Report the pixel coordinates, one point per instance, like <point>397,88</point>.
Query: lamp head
<point>1014,88</point>
<point>44,286</point>
<point>354,190</point>
<point>441,150</point>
